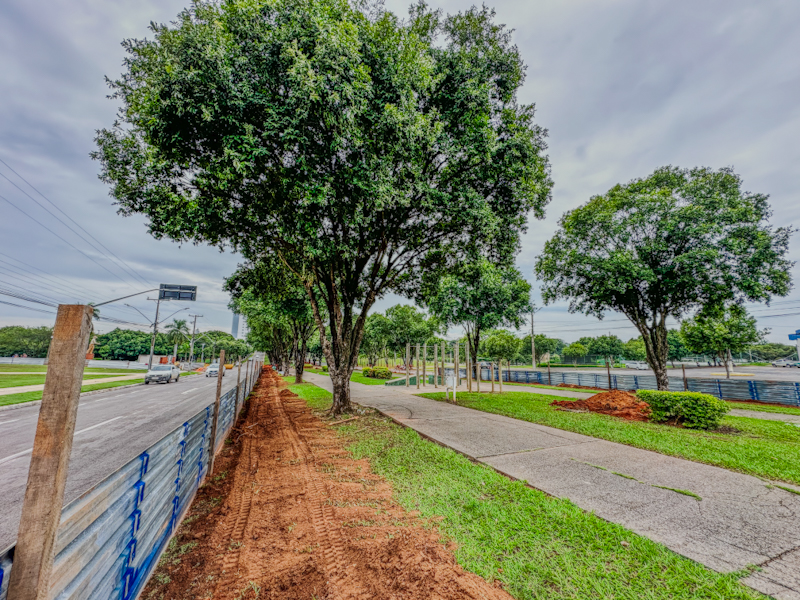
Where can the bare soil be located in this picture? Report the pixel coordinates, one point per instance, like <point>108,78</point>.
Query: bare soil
<point>616,403</point>
<point>289,514</point>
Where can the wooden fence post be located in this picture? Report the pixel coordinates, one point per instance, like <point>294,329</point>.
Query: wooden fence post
<point>424,363</point>
<point>417,363</point>
<point>52,446</point>
<point>436,365</point>
<point>408,361</point>
<point>211,452</point>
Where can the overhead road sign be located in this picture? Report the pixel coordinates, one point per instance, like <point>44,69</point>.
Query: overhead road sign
<point>169,291</point>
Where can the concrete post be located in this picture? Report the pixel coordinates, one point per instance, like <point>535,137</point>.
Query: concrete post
<point>52,445</point>
<point>239,395</point>
<point>212,450</point>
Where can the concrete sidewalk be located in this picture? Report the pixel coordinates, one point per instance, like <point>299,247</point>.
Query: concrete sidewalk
<point>739,521</point>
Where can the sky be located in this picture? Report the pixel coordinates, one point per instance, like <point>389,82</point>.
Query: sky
<point>622,86</point>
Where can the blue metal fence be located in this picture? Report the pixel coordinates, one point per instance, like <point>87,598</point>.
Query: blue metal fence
<point>773,392</point>
<point>110,539</point>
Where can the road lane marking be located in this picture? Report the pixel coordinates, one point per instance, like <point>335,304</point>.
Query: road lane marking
<point>98,425</point>
<point>13,456</point>
<point>191,390</point>
<point>11,421</point>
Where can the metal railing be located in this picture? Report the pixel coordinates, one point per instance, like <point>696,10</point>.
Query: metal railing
<point>110,539</point>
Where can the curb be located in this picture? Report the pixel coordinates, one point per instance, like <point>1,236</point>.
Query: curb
<point>38,402</point>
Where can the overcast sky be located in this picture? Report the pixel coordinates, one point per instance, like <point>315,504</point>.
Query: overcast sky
<point>622,86</point>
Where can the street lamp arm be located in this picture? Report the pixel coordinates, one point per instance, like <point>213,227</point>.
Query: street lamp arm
<point>173,314</point>
<point>137,310</point>
<point>124,297</point>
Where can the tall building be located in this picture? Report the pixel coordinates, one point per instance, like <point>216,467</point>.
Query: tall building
<point>235,326</point>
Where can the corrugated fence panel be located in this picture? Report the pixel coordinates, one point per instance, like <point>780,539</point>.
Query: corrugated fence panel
<point>775,392</point>
<point>110,538</point>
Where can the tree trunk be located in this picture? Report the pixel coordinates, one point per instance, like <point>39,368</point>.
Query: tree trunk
<point>727,365</point>
<point>300,362</point>
<point>657,349</point>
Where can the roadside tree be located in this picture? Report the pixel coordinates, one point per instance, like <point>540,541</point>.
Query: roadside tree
<point>607,346</point>
<point>502,346</point>
<point>176,332</point>
<point>479,296</point>
<point>634,349</point>
<point>665,245</point>
<point>575,350</point>
<point>720,332</point>
<point>359,149</point>
<point>409,325</point>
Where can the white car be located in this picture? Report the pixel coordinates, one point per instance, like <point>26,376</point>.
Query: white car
<point>784,362</point>
<point>162,374</point>
<point>638,365</point>
<point>213,370</point>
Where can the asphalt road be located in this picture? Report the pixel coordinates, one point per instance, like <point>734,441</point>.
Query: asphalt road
<point>113,427</point>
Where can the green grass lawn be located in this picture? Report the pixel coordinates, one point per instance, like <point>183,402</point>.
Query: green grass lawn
<point>7,381</point>
<point>770,408</point>
<point>356,376</point>
<point>768,449</point>
<point>43,369</point>
<point>538,546</point>
<point>31,396</point>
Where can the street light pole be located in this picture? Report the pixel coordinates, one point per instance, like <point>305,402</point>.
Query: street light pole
<point>153,340</point>
<point>191,343</point>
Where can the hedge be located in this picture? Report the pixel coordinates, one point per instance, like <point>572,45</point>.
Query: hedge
<point>693,409</point>
<point>377,372</point>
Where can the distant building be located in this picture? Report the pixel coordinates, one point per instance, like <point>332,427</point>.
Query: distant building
<point>239,327</point>
<point>235,326</point>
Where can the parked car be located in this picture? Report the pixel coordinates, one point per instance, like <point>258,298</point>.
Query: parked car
<point>213,370</point>
<point>162,374</point>
<point>785,362</point>
<point>636,364</point>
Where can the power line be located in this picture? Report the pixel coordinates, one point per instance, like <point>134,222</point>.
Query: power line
<point>63,240</point>
<point>45,281</point>
<point>119,260</point>
<point>39,310</point>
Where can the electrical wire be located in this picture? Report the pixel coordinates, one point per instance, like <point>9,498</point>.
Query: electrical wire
<point>39,310</point>
<point>63,240</point>
<point>121,262</point>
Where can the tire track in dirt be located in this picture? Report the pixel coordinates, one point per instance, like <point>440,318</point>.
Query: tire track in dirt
<point>322,514</point>
<point>290,514</point>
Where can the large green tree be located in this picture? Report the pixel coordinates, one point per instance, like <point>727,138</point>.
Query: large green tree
<point>719,332</point>
<point>358,148</point>
<point>479,296</point>
<point>33,341</point>
<point>284,303</point>
<point>409,325</point>
<point>608,346</point>
<point>176,332</point>
<point>665,245</point>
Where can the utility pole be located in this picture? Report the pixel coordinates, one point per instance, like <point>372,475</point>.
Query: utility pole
<point>194,331</point>
<point>534,310</point>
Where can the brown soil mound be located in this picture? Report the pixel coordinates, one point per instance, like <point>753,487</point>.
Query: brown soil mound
<point>575,386</point>
<point>286,392</point>
<point>289,514</point>
<point>616,403</point>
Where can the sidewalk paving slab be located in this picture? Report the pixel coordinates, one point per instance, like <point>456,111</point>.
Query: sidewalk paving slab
<point>739,521</point>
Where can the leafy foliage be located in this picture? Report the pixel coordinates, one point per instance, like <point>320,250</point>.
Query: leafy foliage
<point>609,346</point>
<point>575,351</point>
<point>480,296</point>
<point>692,409</point>
<point>634,349</point>
<point>360,150</point>
<point>665,245</point>
<point>127,344</point>
<point>33,341</point>
<point>501,345</point>
<point>377,372</point>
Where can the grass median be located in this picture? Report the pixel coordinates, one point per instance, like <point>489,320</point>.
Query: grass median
<point>32,396</point>
<point>536,545</point>
<point>767,449</point>
<point>356,377</point>
<point>43,369</point>
<point>8,381</point>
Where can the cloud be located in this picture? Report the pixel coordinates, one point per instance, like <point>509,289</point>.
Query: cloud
<point>623,86</point>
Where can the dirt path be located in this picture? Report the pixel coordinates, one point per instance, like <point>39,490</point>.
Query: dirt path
<point>289,514</point>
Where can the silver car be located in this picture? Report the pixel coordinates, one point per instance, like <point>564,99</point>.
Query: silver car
<point>213,370</point>
<point>784,362</point>
<point>162,374</point>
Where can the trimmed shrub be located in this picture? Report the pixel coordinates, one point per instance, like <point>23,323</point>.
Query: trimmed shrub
<point>693,409</point>
<point>324,368</point>
<point>377,372</point>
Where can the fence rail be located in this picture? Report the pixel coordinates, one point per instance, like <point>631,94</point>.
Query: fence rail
<point>772,392</point>
<point>110,539</point>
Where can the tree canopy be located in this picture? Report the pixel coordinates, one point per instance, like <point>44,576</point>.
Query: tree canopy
<point>480,296</point>
<point>33,341</point>
<point>720,332</point>
<point>360,149</point>
<point>665,245</point>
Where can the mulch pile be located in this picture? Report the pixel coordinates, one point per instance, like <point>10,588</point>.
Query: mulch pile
<point>289,514</point>
<point>616,403</point>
